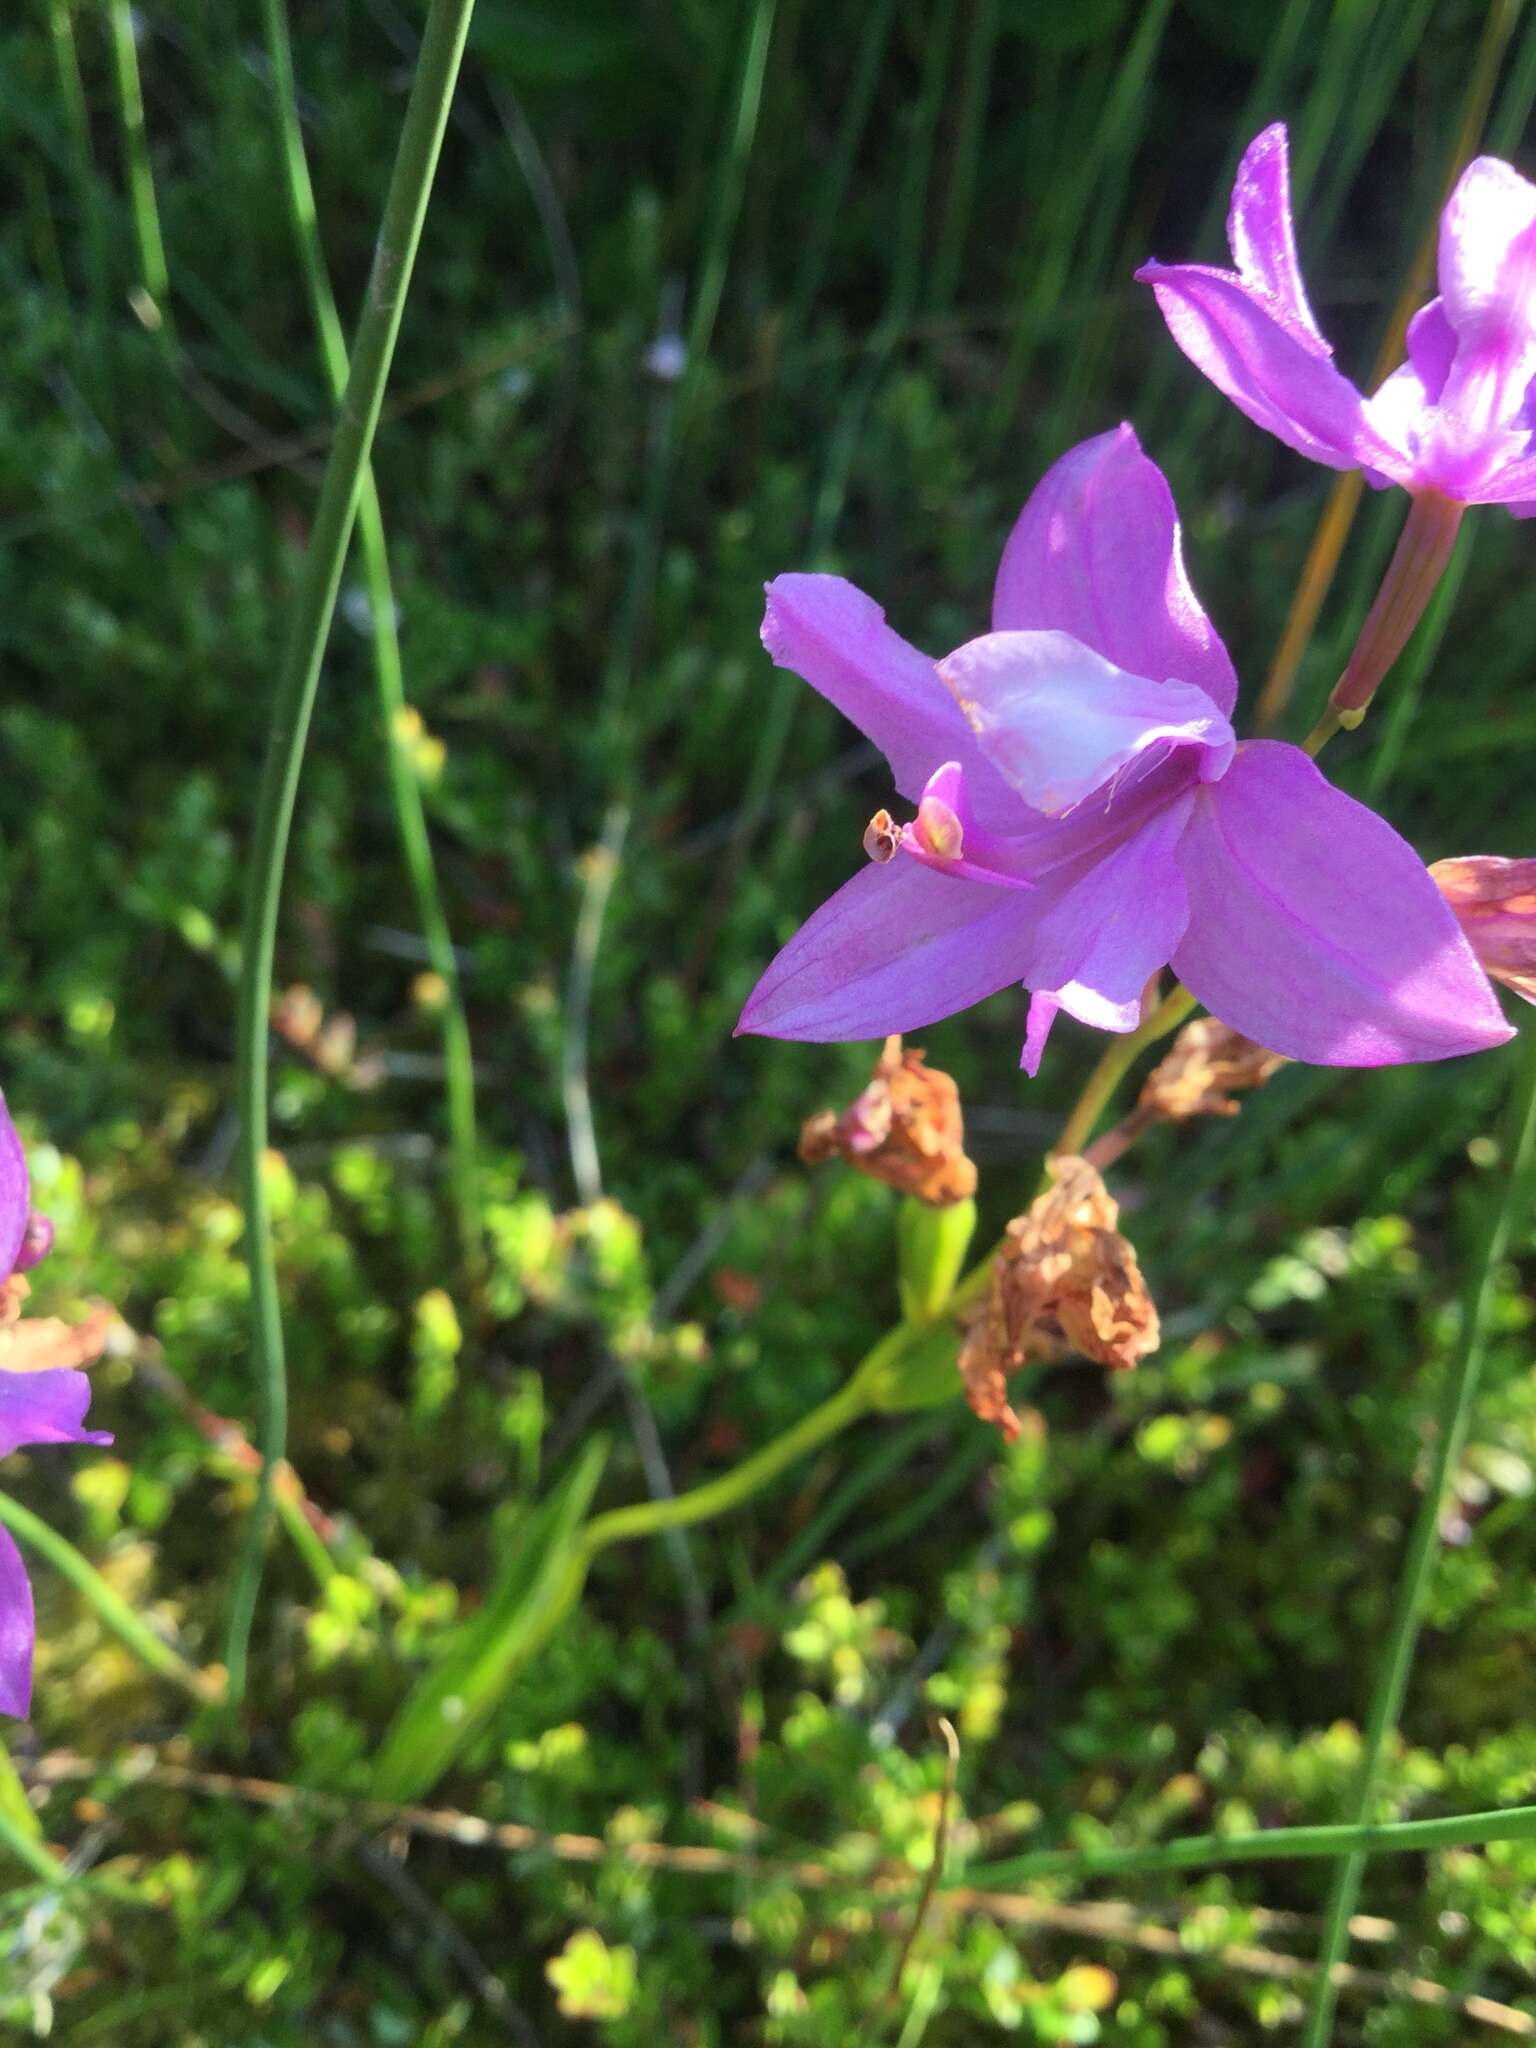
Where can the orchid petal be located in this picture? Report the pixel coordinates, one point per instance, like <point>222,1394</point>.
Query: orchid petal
<point>1096,553</point>
<point>829,632</point>
<point>1402,410</point>
<point>1315,930</point>
<point>1488,255</point>
<point>16,1631</point>
<point>14,1193</point>
<point>1240,338</point>
<point>1058,721</point>
<point>1431,341</point>
<point>1263,236</point>
<point>1042,1014</point>
<point>45,1407</point>
<point>1096,947</point>
<point>896,948</point>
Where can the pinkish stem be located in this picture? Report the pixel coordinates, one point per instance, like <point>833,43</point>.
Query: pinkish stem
<point>1423,549</point>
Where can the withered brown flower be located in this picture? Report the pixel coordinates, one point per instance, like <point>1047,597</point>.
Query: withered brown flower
<point>905,1129</point>
<point>1204,1067</point>
<point>1066,1283</point>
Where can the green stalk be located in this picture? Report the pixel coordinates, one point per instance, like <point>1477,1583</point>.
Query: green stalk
<point>965,158</point>
<point>719,1496</point>
<point>110,1608</point>
<point>141,179</point>
<point>1115,1062</point>
<point>857,100</point>
<point>731,179</point>
<point>1264,1845</point>
<point>405,790</point>
<point>405,208</point>
<point>1456,1400</point>
<point>89,199</point>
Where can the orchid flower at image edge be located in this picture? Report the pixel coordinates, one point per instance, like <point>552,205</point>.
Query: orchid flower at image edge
<point>1086,816</point>
<point>45,1406</point>
<point>1455,421</point>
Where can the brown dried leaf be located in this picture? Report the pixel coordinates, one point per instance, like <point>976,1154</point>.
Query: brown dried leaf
<point>1065,1283</point>
<point>1204,1067</point>
<point>905,1129</point>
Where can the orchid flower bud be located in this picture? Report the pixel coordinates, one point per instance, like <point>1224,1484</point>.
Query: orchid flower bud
<point>1495,905</point>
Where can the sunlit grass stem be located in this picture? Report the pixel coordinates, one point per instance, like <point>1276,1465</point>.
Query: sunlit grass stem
<point>1262,1845</point>
<point>142,204</point>
<point>1504,1201</point>
<point>394,715</point>
<point>405,209</point>
<point>90,200</point>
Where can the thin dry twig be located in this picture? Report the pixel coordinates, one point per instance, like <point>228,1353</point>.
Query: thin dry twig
<point>1111,1920</point>
<point>936,1867</point>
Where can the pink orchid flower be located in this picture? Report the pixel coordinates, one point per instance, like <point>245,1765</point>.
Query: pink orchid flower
<point>1085,816</point>
<point>1495,904</point>
<point>36,1407</point>
<point>1456,419</point>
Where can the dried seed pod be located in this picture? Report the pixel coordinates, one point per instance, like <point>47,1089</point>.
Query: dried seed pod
<point>1065,1284</point>
<point>906,1129</point>
<point>1207,1064</point>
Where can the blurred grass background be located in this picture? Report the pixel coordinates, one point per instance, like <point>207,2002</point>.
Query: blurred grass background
<point>889,246</point>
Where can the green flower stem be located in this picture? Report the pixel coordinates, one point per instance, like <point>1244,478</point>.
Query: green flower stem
<point>1457,1396</point>
<point>405,790</point>
<point>1264,1845</point>
<point>405,209</point>
<point>718,1496</point>
<point>141,178</point>
<point>111,1609</point>
<point>1116,1061</point>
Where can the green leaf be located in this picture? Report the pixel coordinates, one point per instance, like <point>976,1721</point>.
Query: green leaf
<point>536,1586</point>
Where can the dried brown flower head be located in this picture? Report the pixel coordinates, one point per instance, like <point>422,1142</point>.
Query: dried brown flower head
<point>1495,905</point>
<point>905,1129</point>
<point>1207,1064</point>
<point>1065,1283</point>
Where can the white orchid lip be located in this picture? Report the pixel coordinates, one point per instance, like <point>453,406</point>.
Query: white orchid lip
<point>1058,721</point>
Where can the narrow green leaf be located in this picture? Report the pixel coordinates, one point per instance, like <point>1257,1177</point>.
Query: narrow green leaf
<point>534,1589</point>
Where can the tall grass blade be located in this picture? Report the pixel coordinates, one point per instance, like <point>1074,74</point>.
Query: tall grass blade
<point>389,676</point>
<point>1505,1201</point>
<point>405,209</point>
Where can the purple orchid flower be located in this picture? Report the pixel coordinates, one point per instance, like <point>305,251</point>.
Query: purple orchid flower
<point>1455,425</point>
<point>1085,816</point>
<point>42,1407</point>
<point>1457,419</point>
